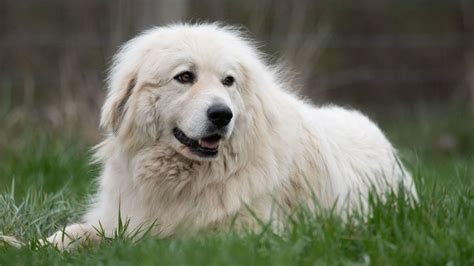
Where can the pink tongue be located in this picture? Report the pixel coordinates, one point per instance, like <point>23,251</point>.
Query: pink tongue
<point>209,144</point>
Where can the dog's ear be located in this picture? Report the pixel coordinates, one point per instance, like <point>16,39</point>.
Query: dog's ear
<point>115,104</point>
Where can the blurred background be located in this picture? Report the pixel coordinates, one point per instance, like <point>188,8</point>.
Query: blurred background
<point>384,57</point>
<point>408,64</point>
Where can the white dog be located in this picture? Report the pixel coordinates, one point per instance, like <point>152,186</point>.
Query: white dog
<point>201,131</point>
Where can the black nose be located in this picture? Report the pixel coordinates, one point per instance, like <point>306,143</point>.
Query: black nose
<point>219,114</point>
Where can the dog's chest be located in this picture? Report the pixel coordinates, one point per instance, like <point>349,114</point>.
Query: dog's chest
<point>166,175</point>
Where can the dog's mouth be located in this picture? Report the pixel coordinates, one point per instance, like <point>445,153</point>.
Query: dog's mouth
<point>204,147</point>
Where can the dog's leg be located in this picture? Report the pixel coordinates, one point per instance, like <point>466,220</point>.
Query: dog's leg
<point>72,236</point>
<point>11,241</point>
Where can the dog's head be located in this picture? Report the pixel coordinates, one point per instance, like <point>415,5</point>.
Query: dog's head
<point>182,85</point>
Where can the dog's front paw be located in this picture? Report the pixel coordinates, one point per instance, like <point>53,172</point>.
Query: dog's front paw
<point>71,237</point>
<point>11,241</point>
<point>60,240</point>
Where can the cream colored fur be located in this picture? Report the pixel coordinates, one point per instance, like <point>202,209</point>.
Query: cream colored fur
<point>280,150</point>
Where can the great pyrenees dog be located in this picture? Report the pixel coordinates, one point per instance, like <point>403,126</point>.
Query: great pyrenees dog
<point>202,133</point>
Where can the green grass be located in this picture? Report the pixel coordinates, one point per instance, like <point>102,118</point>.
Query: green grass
<point>45,179</point>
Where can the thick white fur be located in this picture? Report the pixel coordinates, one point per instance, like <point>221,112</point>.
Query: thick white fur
<point>280,150</point>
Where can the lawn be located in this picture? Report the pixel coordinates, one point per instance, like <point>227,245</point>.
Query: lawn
<point>45,178</point>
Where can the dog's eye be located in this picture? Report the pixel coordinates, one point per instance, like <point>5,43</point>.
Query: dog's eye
<point>228,81</point>
<point>185,77</point>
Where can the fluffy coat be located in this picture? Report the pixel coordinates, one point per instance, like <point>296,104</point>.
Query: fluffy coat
<point>282,151</point>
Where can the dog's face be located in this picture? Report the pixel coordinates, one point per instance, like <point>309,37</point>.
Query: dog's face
<point>182,86</point>
<point>204,110</point>
<point>199,102</point>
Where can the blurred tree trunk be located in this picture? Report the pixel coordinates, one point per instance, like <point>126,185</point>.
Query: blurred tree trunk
<point>467,7</point>
<point>155,13</point>
<point>127,18</point>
